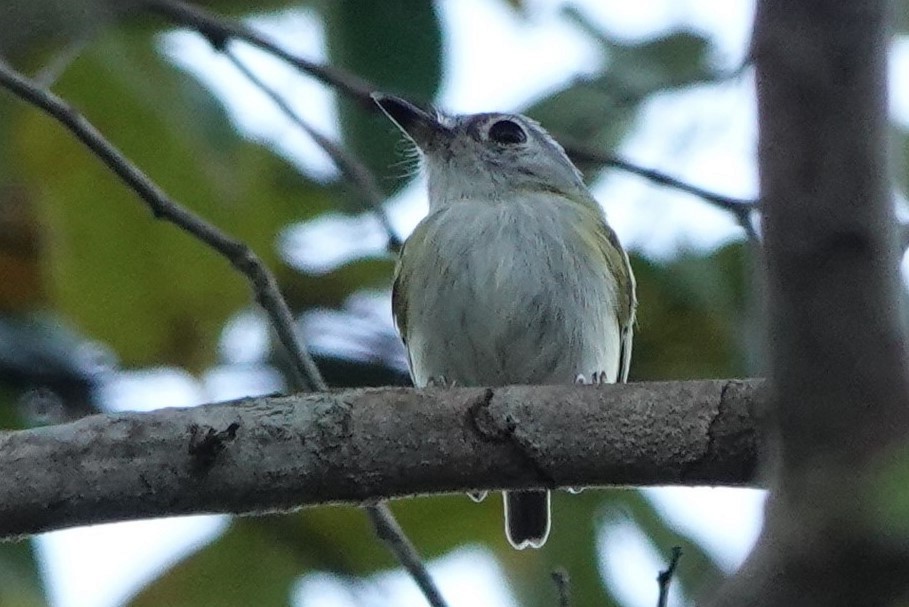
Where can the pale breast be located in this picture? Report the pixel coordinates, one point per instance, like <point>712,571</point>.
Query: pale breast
<point>509,294</point>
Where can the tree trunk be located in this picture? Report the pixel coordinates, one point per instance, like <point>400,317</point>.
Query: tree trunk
<point>836,347</point>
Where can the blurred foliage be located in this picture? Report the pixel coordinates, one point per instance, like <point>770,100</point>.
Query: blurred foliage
<point>148,289</point>
<point>83,251</point>
<point>887,499</point>
<point>339,540</point>
<point>396,45</point>
<point>32,30</point>
<point>598,111</point>
<point>20,581</point>
<point>21,249</point>
<point>691,316</point>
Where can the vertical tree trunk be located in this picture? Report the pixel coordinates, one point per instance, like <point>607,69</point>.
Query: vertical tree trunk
<point>836,347</point>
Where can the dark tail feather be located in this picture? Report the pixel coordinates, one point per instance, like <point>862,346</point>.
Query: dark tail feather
<point>527,518</point>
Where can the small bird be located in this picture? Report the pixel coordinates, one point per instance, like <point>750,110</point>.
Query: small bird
<point>514,277</point>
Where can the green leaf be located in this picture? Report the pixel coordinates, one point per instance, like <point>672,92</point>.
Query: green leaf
<point>31,28</point>
<point>598,111</point>
<point>22,233</point>
<point>340,540</point>
<point>154,293</point>
<point>676,60</point>
<point>397,45</point>
<point>304,291</point>
<point>37,31</point>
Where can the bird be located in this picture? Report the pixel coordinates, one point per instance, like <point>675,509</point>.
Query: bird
<point>514,276</point>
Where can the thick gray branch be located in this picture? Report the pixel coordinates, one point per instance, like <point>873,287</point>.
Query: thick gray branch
<point>280,453</point>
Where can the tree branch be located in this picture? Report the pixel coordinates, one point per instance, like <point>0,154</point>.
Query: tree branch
<point>280,453</point>
<point>305,372</point>
<point>263,283</point>
<point>389,531</point>
<point>740,207</point>
<point>219,31</point>
<point>350,166</point>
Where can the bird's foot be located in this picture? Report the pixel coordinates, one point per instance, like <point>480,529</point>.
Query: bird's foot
<point>440,381</point>
<point>597,378</point>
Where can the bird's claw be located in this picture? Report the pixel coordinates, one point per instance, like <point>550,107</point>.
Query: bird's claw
<point>439,381</point>
<point>596,378</point>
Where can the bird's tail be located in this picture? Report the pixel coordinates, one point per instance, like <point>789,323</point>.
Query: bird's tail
<point>527,518</point>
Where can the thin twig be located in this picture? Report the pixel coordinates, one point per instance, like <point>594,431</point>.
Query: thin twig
<point>665,577</point>
<point>306,374</point>
<point>744,219</point>
<point>264,285</point>
<point>218,30</point>
<point>390,532</point>
<point>387,528</point>
<point>741,208</point>
<point>563,586</point>
<point>579,152</point>
<point>347,163</point>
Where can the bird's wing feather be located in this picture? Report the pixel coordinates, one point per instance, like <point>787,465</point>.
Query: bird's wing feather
<point>399,290</point>
<point>607,243</point>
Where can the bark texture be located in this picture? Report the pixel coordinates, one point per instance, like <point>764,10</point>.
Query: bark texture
<point>280,453</point>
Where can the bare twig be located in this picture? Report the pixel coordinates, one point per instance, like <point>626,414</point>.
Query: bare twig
<point>745,220</point>
<point>387,528</point>
<point>578,152</point>
<point>347,163</point>
<point>218,30</point>
<point>563,586</point>
<point>665,577</point>
<point>390,532</point>
<point>306,374</point>
<point>739,207</point>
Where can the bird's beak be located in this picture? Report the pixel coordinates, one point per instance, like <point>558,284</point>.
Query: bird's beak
<point>420,126</point>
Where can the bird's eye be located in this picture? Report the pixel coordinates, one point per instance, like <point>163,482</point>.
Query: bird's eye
<point>507,132</point>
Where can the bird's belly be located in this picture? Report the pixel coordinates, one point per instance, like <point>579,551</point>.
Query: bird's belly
<point>517,309</point>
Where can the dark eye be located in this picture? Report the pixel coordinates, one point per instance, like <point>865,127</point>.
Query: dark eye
<point>507,132</point>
